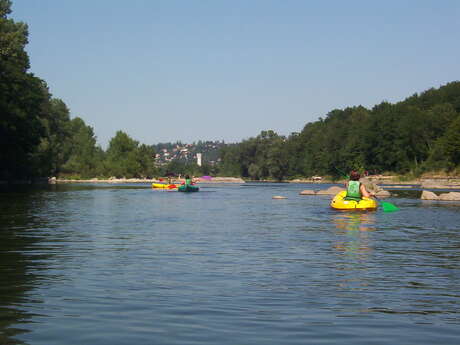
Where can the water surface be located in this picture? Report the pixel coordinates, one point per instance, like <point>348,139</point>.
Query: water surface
<point>105,264</point>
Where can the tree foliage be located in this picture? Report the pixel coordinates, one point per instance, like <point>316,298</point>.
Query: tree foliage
<point>125,158</point>
<point>418,134</point>
<point>23,99</point>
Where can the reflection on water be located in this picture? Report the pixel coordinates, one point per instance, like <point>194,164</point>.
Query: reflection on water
<point>19,263</point>
<point>352,230</point>
<point>354,221</point>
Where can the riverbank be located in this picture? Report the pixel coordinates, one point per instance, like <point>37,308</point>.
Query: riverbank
<point>54,180</point>
<point>431,181</point>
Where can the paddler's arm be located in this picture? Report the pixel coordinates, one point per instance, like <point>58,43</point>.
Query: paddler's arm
<point>364,192</point>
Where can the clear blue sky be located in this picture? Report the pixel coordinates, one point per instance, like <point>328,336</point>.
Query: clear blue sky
<point>225,70</point>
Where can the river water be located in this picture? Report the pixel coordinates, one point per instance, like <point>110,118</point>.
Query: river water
<point>125,264</point>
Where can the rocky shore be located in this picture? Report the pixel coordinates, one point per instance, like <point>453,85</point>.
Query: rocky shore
<point>441,182</point>
<point>451,196</point>
<point>375,186</point>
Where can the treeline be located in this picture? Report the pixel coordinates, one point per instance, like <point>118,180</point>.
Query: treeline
<point>419,134</point>
<point>37,136</point>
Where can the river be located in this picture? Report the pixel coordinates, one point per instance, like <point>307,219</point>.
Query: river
<point>124,264</point>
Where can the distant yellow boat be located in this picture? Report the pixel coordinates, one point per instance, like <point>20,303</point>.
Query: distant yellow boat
<point>339,203</point>
<point>164,186</point>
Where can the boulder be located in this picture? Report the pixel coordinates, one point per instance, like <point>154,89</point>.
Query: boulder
<point>330,191</point>
<point>383,194</point>
<point>374,188</point>
<point>279,197</point>
<point>427,195</point>
<point>307,192</point>
<point>452,196</point>
<point>370,185</point>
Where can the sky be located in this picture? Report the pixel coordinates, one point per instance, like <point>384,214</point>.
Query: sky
<point>189,70</point>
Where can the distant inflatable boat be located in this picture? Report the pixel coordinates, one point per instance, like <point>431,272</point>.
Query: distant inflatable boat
<point>164,186</point>
<point>188,188</point>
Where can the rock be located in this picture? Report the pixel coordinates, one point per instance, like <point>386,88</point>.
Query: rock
<point>279,197</point>
<point>374,188</point>
<point>383,194</point>
<point>307,192</point>
<point>330,191</point>
<point>427,195</point>
<point>52,180</point>
<point>370,186</point>
<point>452,196</point>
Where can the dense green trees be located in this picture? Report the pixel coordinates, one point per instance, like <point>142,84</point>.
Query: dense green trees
<point>446,151</point>
<point>82,158</point>
<point>421,133</point>
<point>22,97</point>
<point>126,158</point>
<point>264,156</point>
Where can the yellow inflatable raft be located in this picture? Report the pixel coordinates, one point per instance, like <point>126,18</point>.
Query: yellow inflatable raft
<point>164,186</point>
<point>364,204</point>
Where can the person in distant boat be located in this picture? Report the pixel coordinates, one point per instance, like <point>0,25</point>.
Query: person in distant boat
<point>188,180</point>
<point>355,189</point>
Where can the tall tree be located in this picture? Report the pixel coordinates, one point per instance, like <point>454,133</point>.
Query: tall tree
<point>84,157</point>
<point>22,101</point>
<point>55,146</point>
<point>446,152</point>
<point>125,158</point>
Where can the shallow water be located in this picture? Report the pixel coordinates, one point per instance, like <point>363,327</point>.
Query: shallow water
<point>104,264</point>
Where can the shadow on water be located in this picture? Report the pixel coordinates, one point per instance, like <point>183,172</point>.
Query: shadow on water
<point>23,257</point>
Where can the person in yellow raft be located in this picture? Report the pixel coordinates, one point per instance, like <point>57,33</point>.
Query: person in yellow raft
<point>355,189</point>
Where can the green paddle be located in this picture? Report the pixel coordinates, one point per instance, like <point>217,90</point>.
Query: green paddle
<point>387,206</point>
